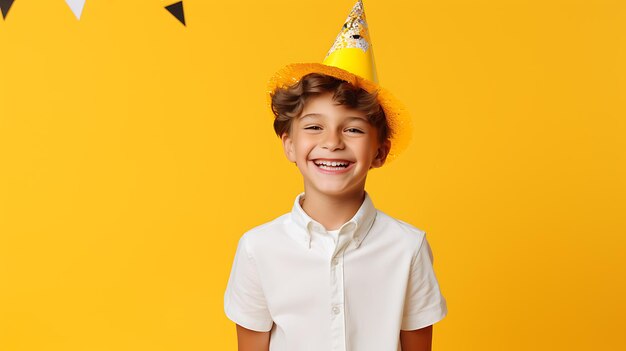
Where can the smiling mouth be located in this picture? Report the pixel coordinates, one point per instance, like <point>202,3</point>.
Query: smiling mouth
<point>332,165</point>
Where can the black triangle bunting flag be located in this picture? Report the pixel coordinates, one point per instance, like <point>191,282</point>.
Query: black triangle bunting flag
<point>5,5</point>
<point>176,9</point>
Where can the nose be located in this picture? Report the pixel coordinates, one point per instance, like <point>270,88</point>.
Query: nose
<point>332,141</point>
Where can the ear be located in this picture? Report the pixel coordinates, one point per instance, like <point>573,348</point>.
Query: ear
<point>288,147</point>
<point>381,154</point>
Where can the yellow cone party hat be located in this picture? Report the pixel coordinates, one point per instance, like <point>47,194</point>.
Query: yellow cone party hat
<point>351,58</point>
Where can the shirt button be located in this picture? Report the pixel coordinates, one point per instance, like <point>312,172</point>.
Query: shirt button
<point>335,262</point>
<point>336,310</point>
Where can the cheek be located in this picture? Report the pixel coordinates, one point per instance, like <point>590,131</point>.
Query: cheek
<point>303,148</point>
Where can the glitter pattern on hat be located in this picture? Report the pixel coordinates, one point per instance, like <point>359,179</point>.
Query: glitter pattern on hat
<point>354,33</point>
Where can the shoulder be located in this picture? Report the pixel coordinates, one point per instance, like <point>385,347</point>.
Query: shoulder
<point>267,233</point>
<point>400,231</point>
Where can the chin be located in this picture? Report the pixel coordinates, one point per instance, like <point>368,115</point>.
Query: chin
<point>333,191</point>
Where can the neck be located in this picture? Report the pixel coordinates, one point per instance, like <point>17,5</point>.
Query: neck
<point>332,211</point>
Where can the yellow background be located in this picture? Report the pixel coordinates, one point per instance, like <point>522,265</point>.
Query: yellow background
<point>134,152</point>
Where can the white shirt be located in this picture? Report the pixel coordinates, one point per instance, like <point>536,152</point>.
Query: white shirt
<point>354,290</point>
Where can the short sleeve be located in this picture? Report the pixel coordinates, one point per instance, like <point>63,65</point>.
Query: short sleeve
<point>424,304</point>
<point>244,301</point>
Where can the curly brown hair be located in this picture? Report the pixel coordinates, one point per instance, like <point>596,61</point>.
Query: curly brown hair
<point>288,103</point>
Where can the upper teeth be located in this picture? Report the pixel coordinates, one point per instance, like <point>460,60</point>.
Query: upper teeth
<point>331,163</point>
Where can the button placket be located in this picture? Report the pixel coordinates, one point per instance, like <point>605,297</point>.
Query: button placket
<point>338,330</point>
<point>337,313</point>
<point>338,327</point>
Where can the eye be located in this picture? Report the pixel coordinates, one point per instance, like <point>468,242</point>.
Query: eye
<point>354,130</point>
<point>313,128</point>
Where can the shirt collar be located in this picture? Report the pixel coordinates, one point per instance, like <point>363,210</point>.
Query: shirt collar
<point>357,227</point>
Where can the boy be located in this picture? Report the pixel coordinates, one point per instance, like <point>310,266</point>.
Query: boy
<point>335,273</point>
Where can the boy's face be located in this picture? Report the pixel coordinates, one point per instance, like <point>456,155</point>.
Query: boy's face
<point>326,132</point>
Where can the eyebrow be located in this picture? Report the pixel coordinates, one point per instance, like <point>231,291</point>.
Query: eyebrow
<point>311,115</point>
